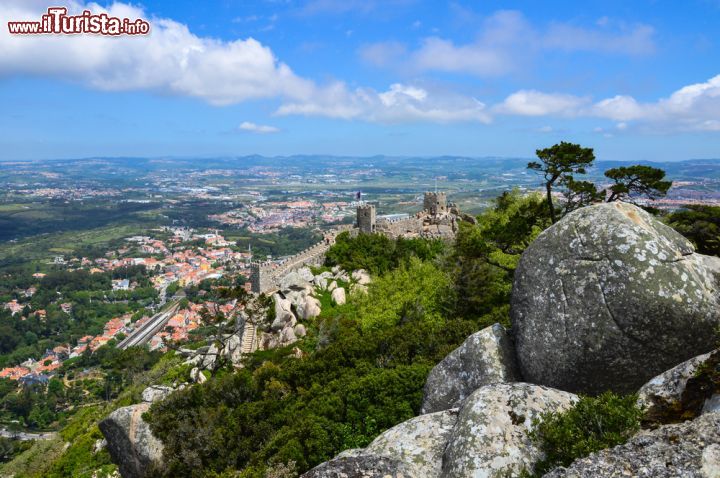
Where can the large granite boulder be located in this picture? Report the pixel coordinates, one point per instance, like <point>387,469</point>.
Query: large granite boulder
<point>361,276</point>
<point>683,392</point>
<point>338,296</point>
<point>689,450</point>
<point>485,357</point>
<point>362,466</point>
<point>156,393</point>
<point>420,442</point>
<point>309,308</point>
<point>417,444</point>
<point>491,438</point>
<point>293,280</point>
<point>306,274</point>
<point>609,297</point>
<point>130,442</point>
<point>283,313</point>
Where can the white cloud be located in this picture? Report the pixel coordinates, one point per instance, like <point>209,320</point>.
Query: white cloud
<point>257,128</point>
<point>694,107</point>
<point>620,108</point>
<point>507,42</point>
<point>400,103</point>
<point>536,103</point>
<point>637,40</point>
<point>497,50</point>
<point>171,60</point>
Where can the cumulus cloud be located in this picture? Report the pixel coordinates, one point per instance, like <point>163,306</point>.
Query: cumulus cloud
<point>399,103</point>
<point>497,50</point>
<point>171,60</point>
<point>536,103</point>
<point>257,128</point>
<point>694,107</point>
<point>507,42</point>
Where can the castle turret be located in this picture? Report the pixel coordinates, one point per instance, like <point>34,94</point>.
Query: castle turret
<point>435,203</point>
<point>255,279</point>
<point>366,218</point>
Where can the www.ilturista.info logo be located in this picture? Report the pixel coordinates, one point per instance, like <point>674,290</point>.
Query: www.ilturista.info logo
<point>57,21</point>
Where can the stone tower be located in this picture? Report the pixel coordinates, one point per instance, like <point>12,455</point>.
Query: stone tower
<point>435,203</point>
<point>366,218</point>
<point>255,279</point>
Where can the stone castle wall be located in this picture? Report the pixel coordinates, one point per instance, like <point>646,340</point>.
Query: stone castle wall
<point>433,222</point>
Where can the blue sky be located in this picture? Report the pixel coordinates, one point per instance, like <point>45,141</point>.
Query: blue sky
<point>636,80</point>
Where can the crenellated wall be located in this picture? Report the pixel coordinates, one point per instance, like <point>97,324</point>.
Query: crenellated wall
<point>266,276</point>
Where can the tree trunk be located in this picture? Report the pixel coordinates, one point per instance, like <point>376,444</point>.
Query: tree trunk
<point>548,188</point>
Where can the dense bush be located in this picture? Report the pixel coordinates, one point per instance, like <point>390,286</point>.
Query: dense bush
<point>378,254</point>
<point>593,424</point>
<point>700,224</point>
<point>357,382</point>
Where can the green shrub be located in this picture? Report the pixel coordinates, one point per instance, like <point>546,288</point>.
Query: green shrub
<point>593,424</point>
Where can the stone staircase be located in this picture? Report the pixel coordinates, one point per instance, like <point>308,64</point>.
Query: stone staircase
<point>249,338</point>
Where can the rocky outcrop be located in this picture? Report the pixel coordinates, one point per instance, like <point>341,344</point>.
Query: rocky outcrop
<point>130,442</point>
<point>309,308</point>
<point>609,297</point>
<point>361,277</point>
<point>156,393</point>
<point>485,357</point>
<point>300,330</point>
<point>689,449</point>
<point>683,392</point>
<point>363,466</point>
<point>419,442</point>
<point>491,438</point>
<point>338,296</point>
<point>414,447</point>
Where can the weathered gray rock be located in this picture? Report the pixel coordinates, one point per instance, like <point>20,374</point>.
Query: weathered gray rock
<point>209,357</point>
<point>333,285</point>
<point>130,442</point>
<point>688,450</point>
<point>306,274</point>
<point>300,330</point>
<point>320,282</point>
<point>609,297</point>
<point>197,376</point>
<point>268,341</point>
<point>683,392</point>
<point>491,436</point>
<point>292,280</point>
<point>415,446</point>
<point>287,336</point>
<point>283,313</point>
<point>485,357</point>
<point>156,393</point>
<point>309,309</point>
<point>338,296</point>
<point>232,349</point>
<point>363,466</point>
<point>361,276</point>
<point>710,461</point>
<point>419,442</point>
